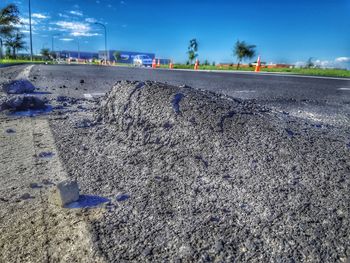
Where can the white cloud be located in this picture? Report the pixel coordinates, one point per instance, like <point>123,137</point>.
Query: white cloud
<point>97,2</point>
<point>40,16</point>
<point>66,39</point>
<point>90,20</point>
<point>122,2</point>
<point>62,15</point>
<point>76,28</point>
<point>25,21</point>
<point>76,13</point>
<point>109,6</point>
<point>343,59</point>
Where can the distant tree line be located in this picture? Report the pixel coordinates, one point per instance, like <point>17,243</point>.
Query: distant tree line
<point>241,50</point>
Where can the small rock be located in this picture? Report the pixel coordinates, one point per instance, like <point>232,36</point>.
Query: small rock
<point>147,252</point>
<point>65,193</point>
<point>82,81</point>
<point>46,181</point>
<point>33,185</point>
<point>25,196</point>
<point>219,246</point>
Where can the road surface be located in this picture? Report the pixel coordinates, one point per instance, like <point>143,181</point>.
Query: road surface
<point>319,99</point>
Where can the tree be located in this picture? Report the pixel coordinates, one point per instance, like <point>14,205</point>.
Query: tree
<point>309,63</point>
<point>45,52</point>
<point>9,17</point>
<point>206,63</point>
<point>15,42</point>
<point>192,50</point>
<point>242,51</point>
<point>117,56</point>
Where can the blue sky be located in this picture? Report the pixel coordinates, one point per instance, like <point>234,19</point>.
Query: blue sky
<point>284,31</point>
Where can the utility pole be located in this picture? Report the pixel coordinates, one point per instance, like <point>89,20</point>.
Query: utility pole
<point>52,46</point>
<point>30,29</point>
<point>78,49</point>
<point>106,51</point>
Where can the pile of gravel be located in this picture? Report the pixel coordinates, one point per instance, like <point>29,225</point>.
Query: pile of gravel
<point>198,177</point>
<point>21,86</point>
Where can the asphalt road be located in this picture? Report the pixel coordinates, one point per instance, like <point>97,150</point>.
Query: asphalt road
<point>319,99</point>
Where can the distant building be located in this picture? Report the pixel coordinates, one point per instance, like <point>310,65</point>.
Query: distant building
<point>126,57</point>
<point>64,54</point>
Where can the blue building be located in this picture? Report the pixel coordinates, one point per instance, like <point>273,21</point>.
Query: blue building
<point>126,57</point>
<point>64,54</point>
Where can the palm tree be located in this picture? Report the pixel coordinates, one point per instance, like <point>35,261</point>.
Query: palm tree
<point>15,42</point>
<point>242,50</point>
<point>9,16</point>
<point>117,56</point>
<point>192,49</point>
<point>45,52</point>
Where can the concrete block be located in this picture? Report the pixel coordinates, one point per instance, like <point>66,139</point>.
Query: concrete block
<point>65,192</point>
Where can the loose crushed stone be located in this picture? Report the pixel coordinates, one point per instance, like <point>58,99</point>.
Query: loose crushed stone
<point>198,177</point>
<point>18,87</point>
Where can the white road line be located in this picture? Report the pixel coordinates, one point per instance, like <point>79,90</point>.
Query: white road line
<point>344,89</point>
<point>98,94</point>
<point>24,74</point>
<point>88,96</point>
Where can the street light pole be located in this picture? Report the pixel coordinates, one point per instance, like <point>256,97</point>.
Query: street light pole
<point>30,30</point>
<point>52,46</point>
<point>105,28</point>
<point>78,49</point>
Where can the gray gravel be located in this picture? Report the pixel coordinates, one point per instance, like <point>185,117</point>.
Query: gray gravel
<point>197,177</point>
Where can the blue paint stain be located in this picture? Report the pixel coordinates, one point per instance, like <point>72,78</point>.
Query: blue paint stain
<point>176,102</point>
<point>46,155</point>
<point>86,201</point>
<point>289,132</point>
<point>10,131</point>
<point>31,113</point>
<point>122,197</point>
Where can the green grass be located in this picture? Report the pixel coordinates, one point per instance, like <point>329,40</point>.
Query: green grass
<point>303,71</point>
<point>16,61</point>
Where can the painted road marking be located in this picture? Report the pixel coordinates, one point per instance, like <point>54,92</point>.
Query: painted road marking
<point>88,96</point>
<point>92,95</point>
<point>344,89</point>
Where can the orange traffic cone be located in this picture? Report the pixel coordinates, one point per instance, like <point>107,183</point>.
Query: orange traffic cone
<point>154,65</point>
<point>258,65</point>
<point>196,65</point>
<point>171,65</point>
<point>158,64</point>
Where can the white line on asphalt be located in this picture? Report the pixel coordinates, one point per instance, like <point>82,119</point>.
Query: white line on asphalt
<point>98,94</point>
<point>344,89</point>
<point>88,96</point>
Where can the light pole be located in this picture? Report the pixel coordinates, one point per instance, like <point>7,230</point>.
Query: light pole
<point>30,30</point>
<point>78,49</point>
<point>105,28</point>
<point>52,46</point>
